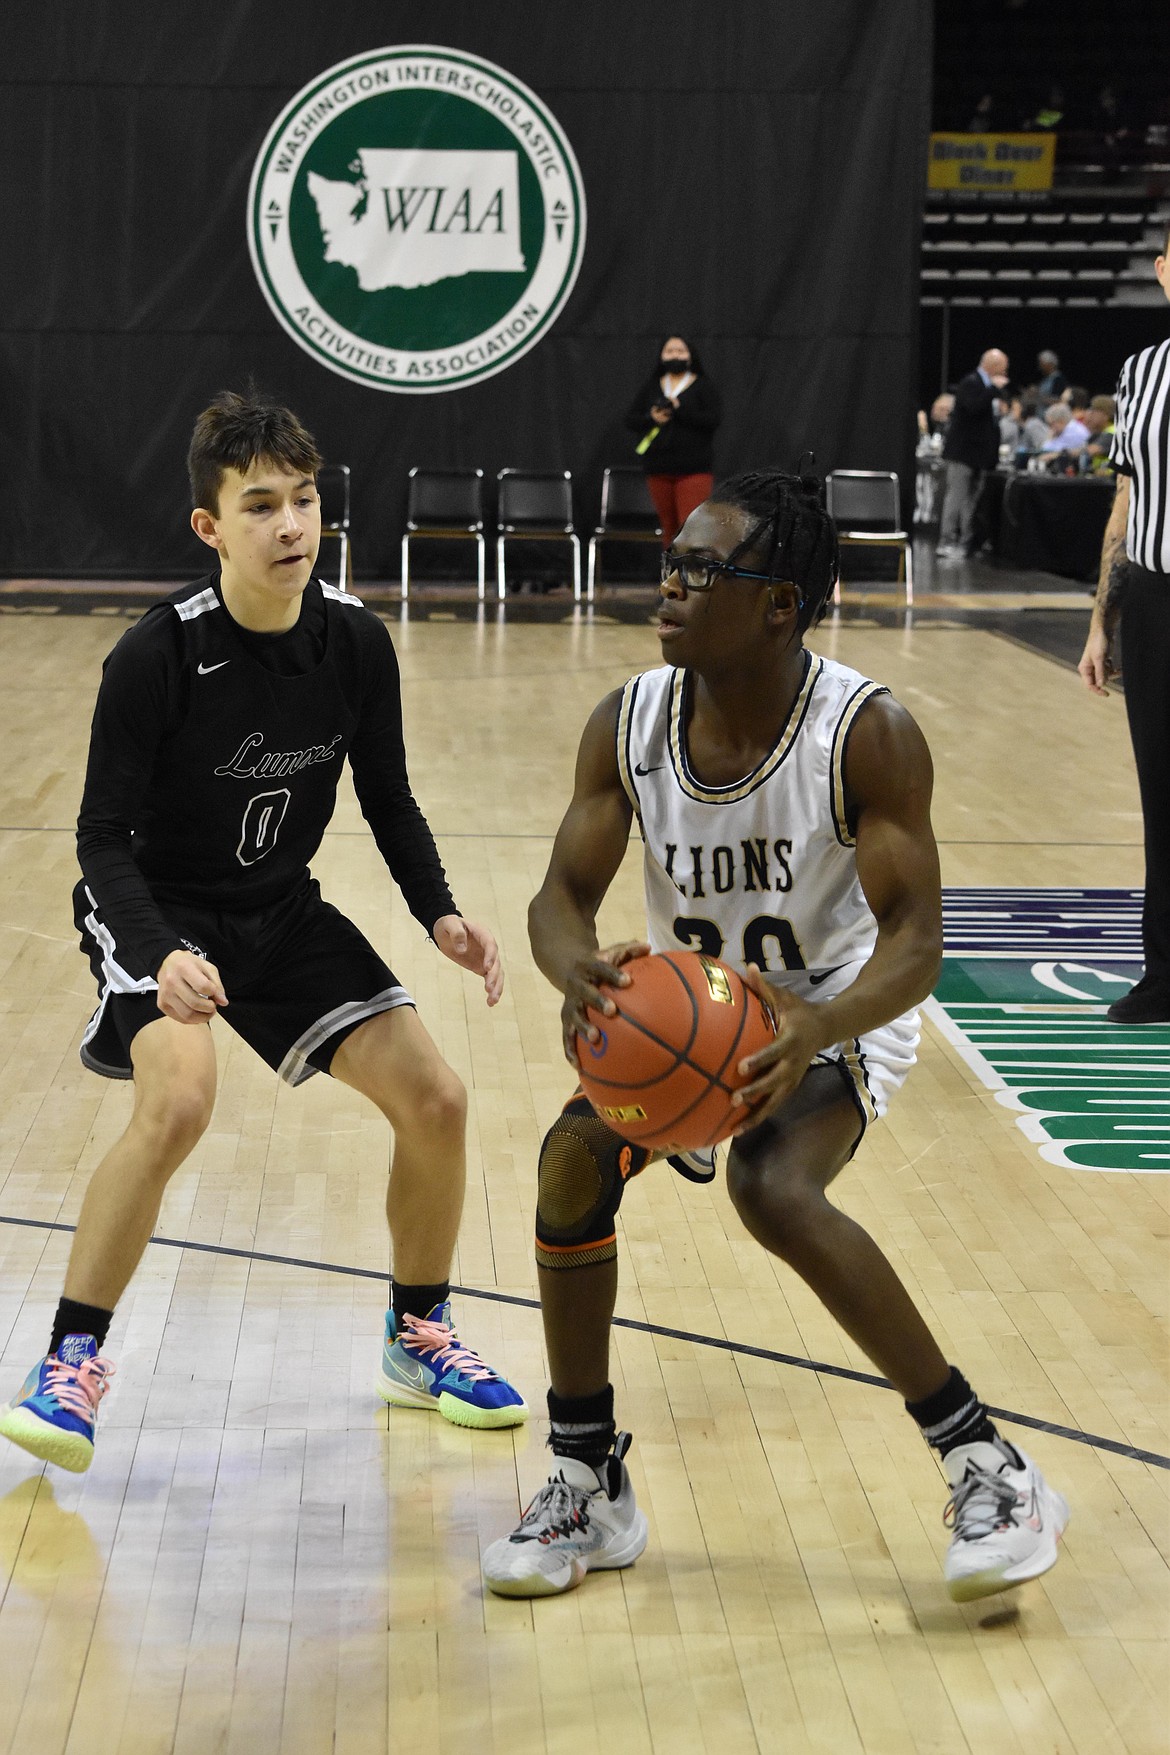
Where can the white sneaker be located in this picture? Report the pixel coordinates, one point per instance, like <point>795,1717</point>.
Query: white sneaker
<point>950,551</point>
<point>1006,1519</point>
<point>696,1166</point>
<point>583,1519</point>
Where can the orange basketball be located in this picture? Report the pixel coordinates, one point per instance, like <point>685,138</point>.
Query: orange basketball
<point>666,1067</point>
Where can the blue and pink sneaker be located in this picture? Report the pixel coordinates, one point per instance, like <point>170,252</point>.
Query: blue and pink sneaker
<point>54,1415</point>
<point>426,1365</point>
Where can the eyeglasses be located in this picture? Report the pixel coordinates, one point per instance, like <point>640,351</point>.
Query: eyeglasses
<point>696,573</point>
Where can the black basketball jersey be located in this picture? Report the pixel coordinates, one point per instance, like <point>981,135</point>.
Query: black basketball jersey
<point>218,775</point>
<point>244,786</point>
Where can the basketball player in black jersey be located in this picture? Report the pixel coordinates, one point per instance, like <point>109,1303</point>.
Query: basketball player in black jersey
<point>746,731</point>
<point>222,724</point>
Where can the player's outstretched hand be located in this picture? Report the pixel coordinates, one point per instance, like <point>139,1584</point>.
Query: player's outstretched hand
<point>584,991</point>
<point>776,1070</point>
<point>1096,667</point>
<point>189,988</point>
<point>474,949</point>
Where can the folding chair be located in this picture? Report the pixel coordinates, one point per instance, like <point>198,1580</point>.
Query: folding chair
<point>446,504</point>
<point>333,487</point>
<point>535,506</point>
<point>865,505</point>
<point>627,515</point>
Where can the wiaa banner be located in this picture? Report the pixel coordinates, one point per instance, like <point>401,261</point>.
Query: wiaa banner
<point>750,179</point>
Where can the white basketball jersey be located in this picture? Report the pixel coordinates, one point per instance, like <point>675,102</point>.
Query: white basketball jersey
<point>763,870</point>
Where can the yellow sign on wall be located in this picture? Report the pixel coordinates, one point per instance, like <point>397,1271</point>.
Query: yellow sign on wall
<point>998,163</point>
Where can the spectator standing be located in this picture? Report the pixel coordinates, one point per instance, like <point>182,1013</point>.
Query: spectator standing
<point>675,415</point>
<point>985,118</point>
<point>1133,598</point>
<point>970,449</point>
<point>1109,117</point>
<point>1053,382</point>
<point>1052,112</point>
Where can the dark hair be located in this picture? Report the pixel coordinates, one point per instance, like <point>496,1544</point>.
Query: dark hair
<point>1029,403</point>
<point>798,538</point>
<point>233,432</point>
<point>696,362</point>
<point>1078,397</point>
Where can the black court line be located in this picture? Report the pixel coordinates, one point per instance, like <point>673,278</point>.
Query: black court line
<point>819,1367</point>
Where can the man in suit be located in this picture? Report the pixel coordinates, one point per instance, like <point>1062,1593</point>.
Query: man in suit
<point>970,449</point>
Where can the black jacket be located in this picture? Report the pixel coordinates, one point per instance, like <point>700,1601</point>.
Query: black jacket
<point>973,431</point>
<point>684,445</point>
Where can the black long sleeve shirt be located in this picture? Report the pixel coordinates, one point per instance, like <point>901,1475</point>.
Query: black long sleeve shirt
<point>214,760</point>
<point>685,444</point>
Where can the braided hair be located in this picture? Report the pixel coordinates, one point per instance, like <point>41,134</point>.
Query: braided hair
<point>796,536</point>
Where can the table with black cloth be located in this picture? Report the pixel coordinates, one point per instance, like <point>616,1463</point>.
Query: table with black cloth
<point>1055,522</point>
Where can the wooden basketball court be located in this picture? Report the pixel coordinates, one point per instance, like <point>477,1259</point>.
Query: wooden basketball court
<point>264,1559</point>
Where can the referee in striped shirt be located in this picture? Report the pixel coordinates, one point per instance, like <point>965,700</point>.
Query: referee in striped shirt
<point>1133,597</point>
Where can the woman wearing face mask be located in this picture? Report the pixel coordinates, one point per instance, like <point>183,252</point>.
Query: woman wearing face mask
<point>675,415</point>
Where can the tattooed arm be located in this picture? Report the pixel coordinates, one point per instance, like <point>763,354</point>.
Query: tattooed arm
<point>1096,665</point>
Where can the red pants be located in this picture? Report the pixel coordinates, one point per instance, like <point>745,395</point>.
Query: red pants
<point>675,498</point>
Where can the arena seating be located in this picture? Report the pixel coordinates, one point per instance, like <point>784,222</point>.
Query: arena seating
<point>1068,250</point>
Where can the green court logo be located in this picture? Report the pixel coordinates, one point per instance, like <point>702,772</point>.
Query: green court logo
<point>416,219</point>
<point>1091,1095</point>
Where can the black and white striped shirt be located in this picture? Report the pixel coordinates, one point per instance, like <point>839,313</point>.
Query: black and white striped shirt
<point>1141,450</point>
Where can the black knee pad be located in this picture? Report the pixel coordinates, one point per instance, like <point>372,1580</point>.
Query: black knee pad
<point>582,1173</point>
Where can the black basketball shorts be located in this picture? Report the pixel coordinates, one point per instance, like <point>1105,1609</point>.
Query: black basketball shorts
<point>298,976</point>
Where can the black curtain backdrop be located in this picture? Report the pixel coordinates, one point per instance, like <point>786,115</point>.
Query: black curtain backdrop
<point>753,176</point>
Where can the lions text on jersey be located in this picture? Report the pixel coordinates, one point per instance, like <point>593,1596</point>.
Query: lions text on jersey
<point>763,870</point>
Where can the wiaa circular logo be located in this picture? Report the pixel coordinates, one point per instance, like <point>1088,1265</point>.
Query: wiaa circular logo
<point>416,219</point>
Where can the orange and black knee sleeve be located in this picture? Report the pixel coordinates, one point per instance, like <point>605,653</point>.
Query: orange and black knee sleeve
<point>581,1177</point>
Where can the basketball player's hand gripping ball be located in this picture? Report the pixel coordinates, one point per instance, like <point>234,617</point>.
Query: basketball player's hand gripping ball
<point>588,1000</point>
<point>770,1075</point>
<point>660,1060</point>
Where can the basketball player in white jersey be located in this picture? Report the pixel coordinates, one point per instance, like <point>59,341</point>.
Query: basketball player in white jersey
<point>784,805</point>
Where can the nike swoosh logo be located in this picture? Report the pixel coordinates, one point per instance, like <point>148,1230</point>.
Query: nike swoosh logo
<point>414,1376</point>
<point>639,769</point>
<point>815,980</point>
<point>206,669</point>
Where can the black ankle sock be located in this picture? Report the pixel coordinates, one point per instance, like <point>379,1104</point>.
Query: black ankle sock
<point>73,1318</point>
<point>417,1300</point>
<point>582,1425</point>
<point>953,1415</point>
